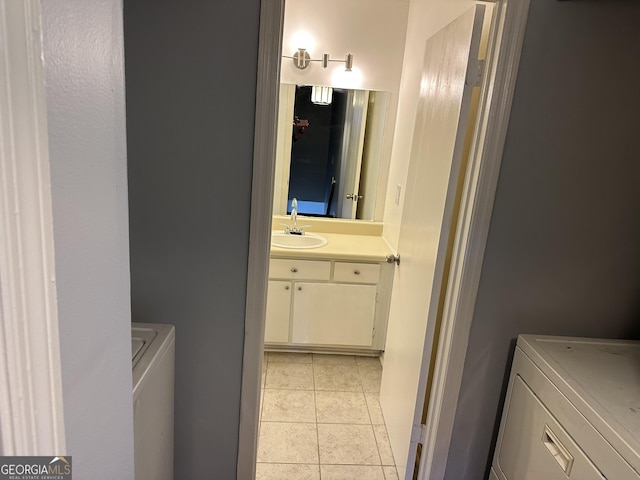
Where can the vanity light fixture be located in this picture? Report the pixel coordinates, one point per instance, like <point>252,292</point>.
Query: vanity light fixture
<point>321,95</point>
<point>302,60</point>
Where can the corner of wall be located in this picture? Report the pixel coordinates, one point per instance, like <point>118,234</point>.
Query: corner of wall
<point>83,52</point>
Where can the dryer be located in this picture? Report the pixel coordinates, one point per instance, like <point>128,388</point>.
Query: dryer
<point>572,411</point>
<point>153,364</point>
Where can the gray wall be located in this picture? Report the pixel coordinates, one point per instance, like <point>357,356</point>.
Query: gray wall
<point>191,81</point>
<point>563,254</point>
<point>86,117</point>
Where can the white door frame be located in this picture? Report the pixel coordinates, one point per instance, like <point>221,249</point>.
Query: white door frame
<point>476,206</point>
<point>264,162</point>
<point>31,410</point>
<point>471,231</point>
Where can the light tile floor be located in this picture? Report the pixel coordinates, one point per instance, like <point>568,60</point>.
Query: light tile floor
<point>320,419</point>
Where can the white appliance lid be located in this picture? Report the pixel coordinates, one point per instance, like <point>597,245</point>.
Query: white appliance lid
<point>136,346</point>
<point>156,338</point>
<point>141,338</point>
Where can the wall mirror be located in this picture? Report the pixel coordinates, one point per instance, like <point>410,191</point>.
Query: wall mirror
<point>329,151</point>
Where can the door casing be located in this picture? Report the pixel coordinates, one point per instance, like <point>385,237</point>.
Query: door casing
<point>470,240</point>
<point>31,403</point>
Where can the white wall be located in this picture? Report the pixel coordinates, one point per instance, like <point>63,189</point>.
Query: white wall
<point>85,99</point>
<point>373,31</point>
<point>426,17</point>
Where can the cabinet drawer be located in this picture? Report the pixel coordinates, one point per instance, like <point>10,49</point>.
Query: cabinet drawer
<point>356,272</point>
<point>299,269</point>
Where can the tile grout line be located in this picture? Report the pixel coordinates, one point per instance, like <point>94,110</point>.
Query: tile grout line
<point>373,431</point>
<point>367,403</point>
<point>315,408</point>
<point>378,447</point>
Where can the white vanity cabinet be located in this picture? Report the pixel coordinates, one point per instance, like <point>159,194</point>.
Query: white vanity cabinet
<point>326,303</point>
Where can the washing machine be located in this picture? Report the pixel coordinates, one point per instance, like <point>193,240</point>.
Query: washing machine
<point>572,411</point>
<point>153,363</point>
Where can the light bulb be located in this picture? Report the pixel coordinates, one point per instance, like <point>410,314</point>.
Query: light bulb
<point>302,39</point>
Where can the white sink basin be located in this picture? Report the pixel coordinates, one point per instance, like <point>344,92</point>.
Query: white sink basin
<point>308,240</point>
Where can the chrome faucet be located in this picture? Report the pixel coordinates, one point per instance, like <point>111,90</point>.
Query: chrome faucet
<point>294,214</point>
<point>293,229</point>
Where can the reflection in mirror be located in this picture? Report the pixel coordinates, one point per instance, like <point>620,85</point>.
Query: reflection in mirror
<point>329,150</point>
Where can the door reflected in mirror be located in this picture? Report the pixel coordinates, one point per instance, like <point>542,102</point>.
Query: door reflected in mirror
<point>329,151</point>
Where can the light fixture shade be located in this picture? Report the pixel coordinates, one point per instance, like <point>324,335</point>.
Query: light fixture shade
<point>348,63</point>
<point>321,95</point>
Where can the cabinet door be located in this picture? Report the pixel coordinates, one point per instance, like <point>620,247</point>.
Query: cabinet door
<point>330,314</point>
<point>276,327</point>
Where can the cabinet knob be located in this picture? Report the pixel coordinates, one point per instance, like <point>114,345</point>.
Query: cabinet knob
<point>356,272</point>
<point>294,269</point>
<point>299,289</point>
<point>287,287</point>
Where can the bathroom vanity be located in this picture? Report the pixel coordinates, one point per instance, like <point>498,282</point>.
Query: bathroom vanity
<point>333,298</point>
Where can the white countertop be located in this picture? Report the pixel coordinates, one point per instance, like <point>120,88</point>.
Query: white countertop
<point>340,246</point>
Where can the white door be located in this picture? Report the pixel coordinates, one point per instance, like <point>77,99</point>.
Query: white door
<point>436,152</point>
<point>286,108</point>
<point>351,155</point>
<point>333,314</point>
